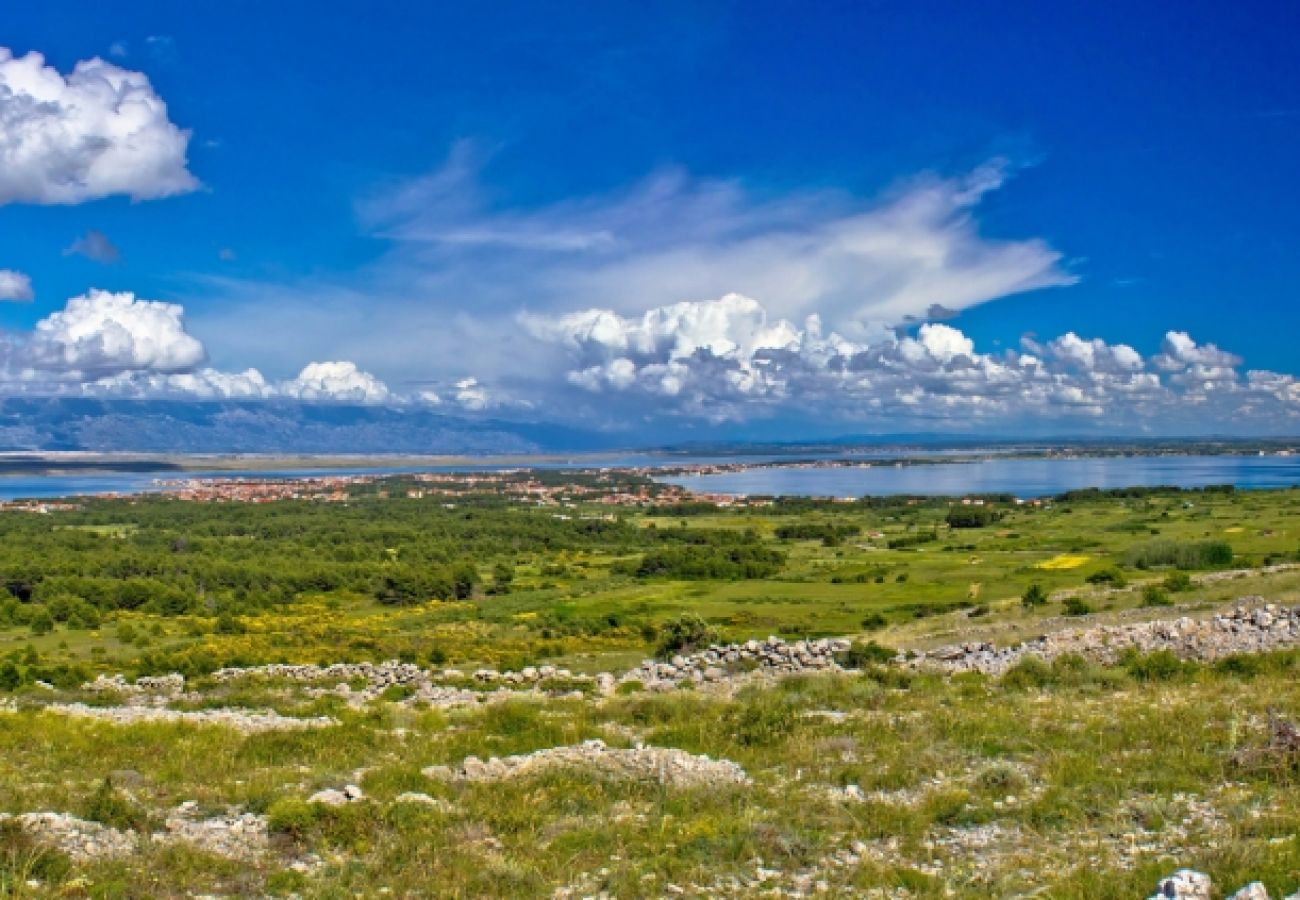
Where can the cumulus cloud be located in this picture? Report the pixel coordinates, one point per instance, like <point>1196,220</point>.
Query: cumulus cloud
<point>201,384</point>
<point>101,333</point>
<point>335,382</point>
<point>730,360</point>
<point>99,131</point>
<point>15,286</point>
<point>94,244</point>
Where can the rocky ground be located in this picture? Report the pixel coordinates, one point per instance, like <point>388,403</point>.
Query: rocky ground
<point>944,851</point>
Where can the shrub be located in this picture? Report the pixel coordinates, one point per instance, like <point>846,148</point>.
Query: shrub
<point>1180,555</point>
<point>1178,581</point>
<point>40,621</point>
<point>699,563</point>
<point>292,816</point>
<point>1033,596</point>
<point>862,654</point>
<point>686,633</point>
<point>11,677</point>
<point>1077,606</point>
<point>1154,595</point>
<point>1160,665</point>
<point>110,806</point>
<point>1029,672</point>
<point>874,621</point>
<point>1111,576</point>
<point>971,516</point>
<point>762,721</point>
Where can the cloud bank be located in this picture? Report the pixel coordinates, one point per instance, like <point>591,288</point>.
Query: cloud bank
<point>99,131</point>
<point>730,360</point>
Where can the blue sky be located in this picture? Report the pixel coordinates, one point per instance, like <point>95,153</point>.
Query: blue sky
<point>445,197</point>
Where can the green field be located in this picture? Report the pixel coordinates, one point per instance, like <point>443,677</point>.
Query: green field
<point>1072,780</point>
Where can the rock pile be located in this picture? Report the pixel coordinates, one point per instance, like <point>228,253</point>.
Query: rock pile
<point>246,722</point>
<point>1187,884</point>
<point>240,836</point>
<point>714,664</point>
<point>435,687</point>
<point>335,797</point>
<point>1252,627</point>
<point>146,688</point>
<point>79,839</point>
<point>236,835</point>
<point>671,767</point>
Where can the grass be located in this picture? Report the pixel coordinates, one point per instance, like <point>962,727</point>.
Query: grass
<point>1051,782</point>
<point>1064,780</point>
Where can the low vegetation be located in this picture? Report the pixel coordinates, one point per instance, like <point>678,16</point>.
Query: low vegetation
<point>1065,778</point>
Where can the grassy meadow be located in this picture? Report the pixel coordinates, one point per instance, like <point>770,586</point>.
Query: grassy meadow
<point>1070,780</point>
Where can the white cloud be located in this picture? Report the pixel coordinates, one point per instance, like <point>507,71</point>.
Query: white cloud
<point>94,244</point>
<point>201,384</point>
<point>103,333</point>
<point>339,382</point>
<point>1094,354</point>
<point>15,286</point>
<point>458,264</point>
<point>100,131</point>
<point>857,263</point>
<point>663,363</point>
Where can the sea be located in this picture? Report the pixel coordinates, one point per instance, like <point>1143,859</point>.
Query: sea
<point>858,475</point>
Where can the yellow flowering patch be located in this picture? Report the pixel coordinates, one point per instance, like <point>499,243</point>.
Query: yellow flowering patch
<point>1235,529</point>
<point>1064,561</point>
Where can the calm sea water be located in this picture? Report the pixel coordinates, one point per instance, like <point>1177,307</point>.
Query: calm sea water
<point>1021,477</point>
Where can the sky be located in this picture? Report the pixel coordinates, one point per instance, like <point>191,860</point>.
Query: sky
<point>713,219</point>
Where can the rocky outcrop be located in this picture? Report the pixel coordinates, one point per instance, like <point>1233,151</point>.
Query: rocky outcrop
<point>671,767</point>
<point>1252,627</point>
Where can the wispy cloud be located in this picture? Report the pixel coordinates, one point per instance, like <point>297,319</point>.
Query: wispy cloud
<point>95,245</point>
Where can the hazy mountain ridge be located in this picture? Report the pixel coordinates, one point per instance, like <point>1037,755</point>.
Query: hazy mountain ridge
<point>186,427</point>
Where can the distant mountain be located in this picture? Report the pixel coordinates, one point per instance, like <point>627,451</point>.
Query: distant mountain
<point>167,426</point>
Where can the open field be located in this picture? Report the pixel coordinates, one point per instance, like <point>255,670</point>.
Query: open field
<point>1065,779</point>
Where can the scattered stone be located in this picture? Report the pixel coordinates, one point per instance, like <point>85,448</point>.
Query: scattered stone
<point>329,797</point>
<point>245,722</point>
<point>80,839</point>
<point>672,767</point>
<point>240,836</point>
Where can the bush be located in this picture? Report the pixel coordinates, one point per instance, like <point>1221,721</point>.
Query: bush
<point>1178,581</point>
<point>292,816</point>
<point>1154,595</point>
<point>1180,555</point>
<point>684,634</point>
<point>971,516</point>
<point>1077,606</point>
<point>110,806</point>
<point>40,621</point>
<point>1160,665</point>
<point>762,721</point>
<point>1111,576</point>
<point>1033,596</point>
<point>862,654</point>
<point>1029,672</point>
<point>706,563</point>
<point>874,621</point>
